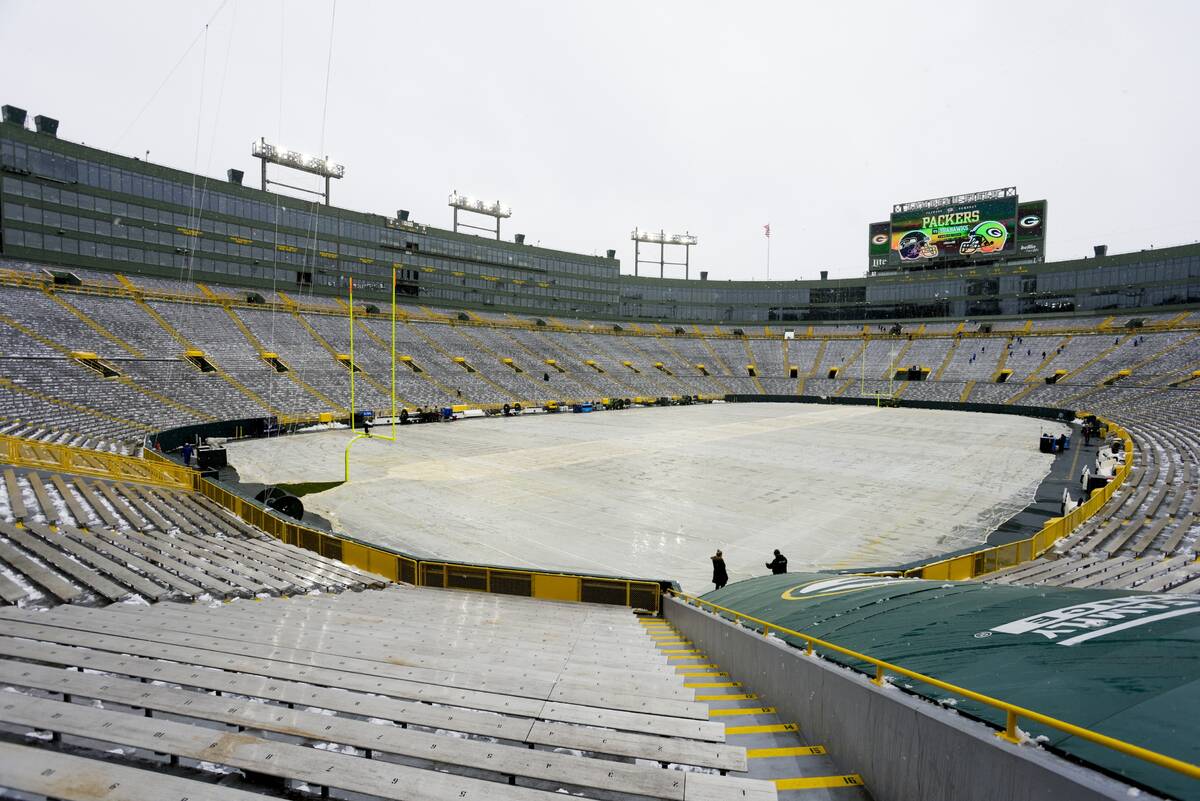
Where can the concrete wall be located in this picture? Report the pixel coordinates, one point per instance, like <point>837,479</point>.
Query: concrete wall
<point>903,747</point>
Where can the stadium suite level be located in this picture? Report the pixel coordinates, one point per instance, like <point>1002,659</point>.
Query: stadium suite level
<point>75,205</point>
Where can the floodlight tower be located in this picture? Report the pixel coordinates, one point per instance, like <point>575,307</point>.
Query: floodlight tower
<point>662,239</point>
<point>292,159</point>
<point>495,210</point>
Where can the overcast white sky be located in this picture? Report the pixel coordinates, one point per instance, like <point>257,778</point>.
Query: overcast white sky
<point>715,118</point>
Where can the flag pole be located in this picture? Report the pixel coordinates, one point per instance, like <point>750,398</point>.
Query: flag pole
<point>767,234</point>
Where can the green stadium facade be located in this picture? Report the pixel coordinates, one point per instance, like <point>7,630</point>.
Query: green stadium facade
<point>70,204</point>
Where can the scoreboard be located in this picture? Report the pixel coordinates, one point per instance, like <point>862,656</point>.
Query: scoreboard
<point>957,230</point>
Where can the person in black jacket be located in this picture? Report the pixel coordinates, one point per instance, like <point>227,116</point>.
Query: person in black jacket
<point>720,575</point>
<point>778,564</point>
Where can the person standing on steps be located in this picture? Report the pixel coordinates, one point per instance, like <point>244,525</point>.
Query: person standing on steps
<point>778,565</point>
<point>720,575</point>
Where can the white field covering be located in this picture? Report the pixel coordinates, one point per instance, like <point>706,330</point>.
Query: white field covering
<point>654,492</point>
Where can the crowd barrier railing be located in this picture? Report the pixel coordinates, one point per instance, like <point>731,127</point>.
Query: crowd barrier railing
<point>85,461</point>
<point>398,566</point>
<point>1012,712</point>
<point>1000,557</point>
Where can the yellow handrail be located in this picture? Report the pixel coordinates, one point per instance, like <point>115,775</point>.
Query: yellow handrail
<point>1012,711</point>
<point>89,462</point>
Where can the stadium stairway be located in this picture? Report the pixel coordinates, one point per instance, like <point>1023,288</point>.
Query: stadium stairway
<point>776,750</point>
<point>398,693</point>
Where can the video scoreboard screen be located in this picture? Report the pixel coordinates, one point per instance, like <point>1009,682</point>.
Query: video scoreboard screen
<point>954,228</point>
<point>992,226</point>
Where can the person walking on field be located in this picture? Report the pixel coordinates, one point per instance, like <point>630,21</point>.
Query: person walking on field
<point>778,565</point>
<point>720,575</point>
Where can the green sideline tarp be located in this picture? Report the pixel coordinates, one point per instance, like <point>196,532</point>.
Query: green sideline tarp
<point>1122,663</point>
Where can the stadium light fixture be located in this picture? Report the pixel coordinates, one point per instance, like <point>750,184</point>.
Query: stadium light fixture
<point>662,239</point>
<point>268,153</point>
<point>317,165</point>
<point>494,209</point>
<point>468,203</point>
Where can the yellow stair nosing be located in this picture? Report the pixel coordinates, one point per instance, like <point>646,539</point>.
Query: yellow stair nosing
<point>816,782</point>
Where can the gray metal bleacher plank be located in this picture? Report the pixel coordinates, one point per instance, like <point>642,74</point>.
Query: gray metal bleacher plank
<point>352,574</point>
<point>420,636</point>
<point>149,513</point>
<point>334,639</point>
<point>216,550</point>
<point>1088,574</point>
<point>1124,534</point>
<point>54,774</point>
<point>1182,526</point>
<point>43,577</point>
<point>77,510</point>
<point>49,511</point>
<point>199,561</point>
<point>680,750</point>
<point>10,591</point>
<point>1021,572</point>
<point>101,544</point>
<point>1146,573</point>
<point>1063,566</point>
<point>132,542</point>
<point>508,760</point>
<point>485,724</point>
<point>633,721</point>
<point>1188,587</point>
<point>16,503</point>
<point>228,660</point>
<point>260,755</point>
<point>117,572</point>
<point>100,509</point>
<point>239,550</point>
<point>1171,579</point>
<point>55,558</point>
<point>1148,535</point>
<point>120,507</point>
<point>163,506</point>
<point>311,560</point>
<point>132,623</point>
<point>287,664</point>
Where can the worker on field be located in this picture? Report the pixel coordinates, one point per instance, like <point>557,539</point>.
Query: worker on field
<point>720,575</point>
<point>778,565</point>
<point>187,454</point>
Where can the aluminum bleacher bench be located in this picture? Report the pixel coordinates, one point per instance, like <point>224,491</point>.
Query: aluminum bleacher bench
<point>718,756</point>
<point>452,752</point>
<point>100,543</point>
<point>16,503</point>
<point>73,504</point>
<point>76,571</point>
<point>44,578</point>
<point>71,542</point>
<point>56,775</point>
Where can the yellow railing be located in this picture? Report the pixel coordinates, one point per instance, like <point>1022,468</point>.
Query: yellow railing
<point>88,462</point>
<point>1012,712</point>
<point>999,557</point>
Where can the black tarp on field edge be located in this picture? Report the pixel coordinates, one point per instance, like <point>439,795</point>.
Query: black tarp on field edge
<point>1122,663</point>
